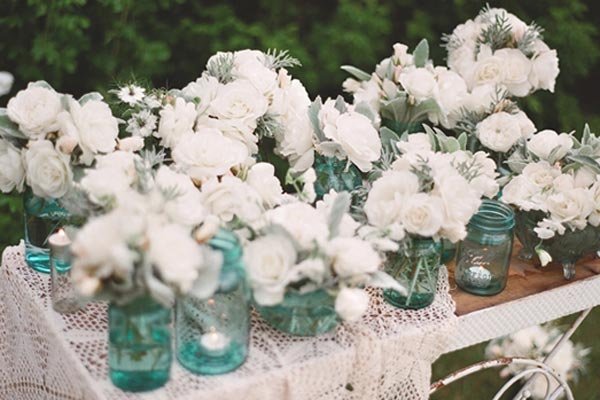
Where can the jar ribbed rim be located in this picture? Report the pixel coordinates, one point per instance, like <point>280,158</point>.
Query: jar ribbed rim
<point>493,216</point>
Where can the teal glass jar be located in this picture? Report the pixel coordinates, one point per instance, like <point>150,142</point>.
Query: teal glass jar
<point>302,314</point>
<point>335,174</point>
<point>213,334</point>
<point>43,217</point>
<point>139,347</point>
<point>484,255</point>
<point>416,266</point>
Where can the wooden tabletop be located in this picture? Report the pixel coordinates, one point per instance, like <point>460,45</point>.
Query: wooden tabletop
<point>524,280</point>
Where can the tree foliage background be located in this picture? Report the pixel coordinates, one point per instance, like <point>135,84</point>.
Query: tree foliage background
<point>84,45</point>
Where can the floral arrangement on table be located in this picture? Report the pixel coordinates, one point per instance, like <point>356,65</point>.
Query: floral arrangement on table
<point>536,343</point>
<point>310,262</point>
<point>556,189</point>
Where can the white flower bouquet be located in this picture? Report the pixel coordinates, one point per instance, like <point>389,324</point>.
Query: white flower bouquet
<point>556,191</point>
<point>305,252</point>
<point>497,48</point>
<point>536,343</point>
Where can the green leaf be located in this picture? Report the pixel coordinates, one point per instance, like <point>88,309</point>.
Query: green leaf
<point>357,73</point>
<point>313,115</point>
<point>462,140</point>
<point>364,109</point>
<point>389,138</point>
<point>9,129</point>
<point>93,96</point>
<point>340,104</point>
<point>340,206</point>
<point>421,53</point>
<point>587,133</point>
<point>42,84</point>
<point>586,161</point>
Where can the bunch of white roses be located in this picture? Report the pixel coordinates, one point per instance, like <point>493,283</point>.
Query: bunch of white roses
<point>305,248</point>
<point>428,193</point>
<point>497,48</point>
<point>45,134</point>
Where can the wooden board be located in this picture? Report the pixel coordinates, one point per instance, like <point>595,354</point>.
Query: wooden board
<point>533,280</point>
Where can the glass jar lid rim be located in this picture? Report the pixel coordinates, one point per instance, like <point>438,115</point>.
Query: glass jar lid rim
<point>494,216</point>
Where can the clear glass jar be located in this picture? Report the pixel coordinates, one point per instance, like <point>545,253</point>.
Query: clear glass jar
<point>213,334</point>
<point>335,174</point>
<point>484,255</point>
<point>43,217</point>
<point>416,266</point>
<point>302,314</point>
<point>139,347</point>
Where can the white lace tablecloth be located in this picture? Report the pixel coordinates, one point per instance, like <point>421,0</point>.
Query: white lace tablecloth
<point>388,355</point>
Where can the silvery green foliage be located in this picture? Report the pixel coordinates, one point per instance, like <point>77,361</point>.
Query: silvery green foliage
<point>276,59</point>
<point>268,126</point>
<point>220,66</point>
<point>585,152</point>
<point>341,206</point>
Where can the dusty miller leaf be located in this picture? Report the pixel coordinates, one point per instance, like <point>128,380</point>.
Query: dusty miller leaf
<point>340,206</point>
<point>421,53</point>
<point>357,73</point>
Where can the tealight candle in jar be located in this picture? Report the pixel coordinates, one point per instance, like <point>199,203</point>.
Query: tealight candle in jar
<point>214,343</point>
<point>63,295</point>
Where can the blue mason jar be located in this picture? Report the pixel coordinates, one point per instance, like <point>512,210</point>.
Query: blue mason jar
<point>213,334</point>
<point>484,255</point>
<point>139,348</point>
<point>42,218</point>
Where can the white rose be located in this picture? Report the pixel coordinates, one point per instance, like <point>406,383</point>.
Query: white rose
<point>48,172</point>
<point>459,202</point>
<point>261,177</point>
<point>12,171</point>
<point>249,65</point>
<point>176,256</point>
<point>544,142</point>
<point>359,140</point>
<point>6,82</point>
<point>489,69</point>
<point>541,174</point>
<point>35,110</point>
<point>352,257</point>
<point>131,144</point>
<point>207,153</point>
<point>481,98</point>
<point>544,70</point>
<point>517,68</point>
<point>302,221</point>
<point>452,95</point>
<point>499,132</point>
<point>422,214</point>
<point>66,144</point>
<point>527,126</point>
<point>415,143</point>
<point>205,89</point>
<point>369,93</point>
<point>573,206</point>
<point>351,304</point>
<point>176,120</point>
<point>269,261</point>
<point>520,191</point>
<point>231,197</point>
<point>93,125</point>
<point>106,185</point>
<point>348,225</point>
<point>384,202</point>
<point>585,177</point>
<point>462,59</point>
<point>186,207</point>
<point>419,83</point>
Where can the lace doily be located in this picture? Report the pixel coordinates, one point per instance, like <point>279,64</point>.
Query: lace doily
<point>388,355</point>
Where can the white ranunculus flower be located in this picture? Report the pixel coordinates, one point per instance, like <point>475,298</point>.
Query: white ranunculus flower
<point>302,221</point>
<point>351,304</point>
<point>481,98</point>
<point>359,140</point>
<point>544,70</point>
<point>527,125</point>
<point>269,260</point>
<point>205,89</point>
<point>419,83</point>
<point>6,82</point>
<point>573,206</point>
<point>462,59</point>
<point>175,254</point>
<point>460,201</point>
<point>585,177</point>
<point>544,142</point>
<point>261,177</point>
<point>517,68</point>
<point>352,257</point>
<point>422,214</point>
<point>384,202</point>
<point>208,153</point>
<point>489,69</point>
<point>541,174</point>
<point>35,110</point>
<point>48,172</point>
<point>66,144</point>
<point>131,144</point>
<point>106,185</point>
<point>520,192</point>
<point>12,170</point>
<point>499,132</point>
<point>415,143</point>
<point>231,197</point>
<point>311,268</point>
<point>452,95</point>
<point>176,121</point>
<point>93,125</point>
<point>185,208</point>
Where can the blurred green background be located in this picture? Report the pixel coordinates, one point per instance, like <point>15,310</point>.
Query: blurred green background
<point>80,46</point>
